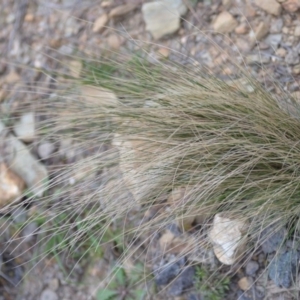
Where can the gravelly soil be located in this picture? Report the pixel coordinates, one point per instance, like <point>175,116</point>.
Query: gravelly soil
<point>36,33</point>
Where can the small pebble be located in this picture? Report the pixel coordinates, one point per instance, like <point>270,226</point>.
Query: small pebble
<point>114,41</point>
<point>48,295</point>
<point>54,284</point>
<point>45,150</point>
<point>251,267</point>
<point>245,283</point>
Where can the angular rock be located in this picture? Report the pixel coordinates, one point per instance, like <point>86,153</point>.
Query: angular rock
<point>270,6</point>
<point>25,127</point>
<point>11,185</point>
<point>163,17</point>
<point>260,32</point>
<point>283,267</point>
<point>140,173</point>
<point>98,96</point>
<point>25,165</point>
<point>100,23</point>
<point>224,23</point>
<point>226,236</point>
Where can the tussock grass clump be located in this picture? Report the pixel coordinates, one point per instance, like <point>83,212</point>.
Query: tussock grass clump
<point>233,149</point>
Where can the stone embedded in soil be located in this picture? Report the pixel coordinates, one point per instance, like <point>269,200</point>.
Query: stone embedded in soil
<point>25,127</point>
<point>283,267</point>
<point>11,185</point>
<point>163,17</point>
<point>224,23</point>
<point>98,95</point>
<point>100,23</point>
<point>26,166</point>
<point>259,32</point>
<point>183,282</point>
<point>251,267</point>
<point>270,6</point>
<point>226,236</point>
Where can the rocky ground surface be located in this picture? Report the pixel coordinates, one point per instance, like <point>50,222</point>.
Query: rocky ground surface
<point>263,35</point>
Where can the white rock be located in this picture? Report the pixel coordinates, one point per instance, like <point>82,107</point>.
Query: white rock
<point>45,150</point>
<point>99,96</point>
<point>224,22</point>
<point>25,128</point>
<point>163,17</point>
<point>226,236</point>
<point>260,31</point>
<point>141,174</point>
<point>270,6</point>
<point>25,165</point>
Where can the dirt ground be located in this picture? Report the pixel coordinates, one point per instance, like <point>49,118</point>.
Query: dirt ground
<point>36,34</point>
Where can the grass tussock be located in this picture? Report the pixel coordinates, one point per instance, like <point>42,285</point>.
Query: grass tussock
<point>168,127</point>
